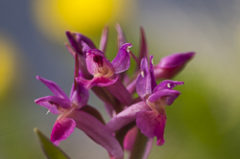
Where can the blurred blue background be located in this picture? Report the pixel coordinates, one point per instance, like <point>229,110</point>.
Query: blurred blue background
<point>203,123</point>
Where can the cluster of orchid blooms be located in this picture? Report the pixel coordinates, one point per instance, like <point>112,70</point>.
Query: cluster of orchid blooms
<point>129,114</point>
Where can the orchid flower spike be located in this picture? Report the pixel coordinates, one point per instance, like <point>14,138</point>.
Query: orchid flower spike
<point>129,114</point>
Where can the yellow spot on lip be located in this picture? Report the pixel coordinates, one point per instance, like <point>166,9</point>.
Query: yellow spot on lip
<point>104,71</point>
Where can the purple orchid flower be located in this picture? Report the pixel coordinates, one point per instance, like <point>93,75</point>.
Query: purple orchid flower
<point>62,105</point>
<point>104,72</point>
<point>114,92</point>
<point>74,112</point>
<point>150,114</point>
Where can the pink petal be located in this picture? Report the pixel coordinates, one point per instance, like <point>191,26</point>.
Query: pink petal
<point>143,45</point>
<point>121,62</point>
<point>151,71</point>
<point>76,40</point>
<point>152,124</point>
<point>62,129</point>
<point>52,103</point>
<point>171,65</point>
<point>167,84</point>
<point>120,36</point>
<point>175,60</point>
<point>104,38</point>
<point>167,95</point>
<point>143,83</point>
<point>56,90</point>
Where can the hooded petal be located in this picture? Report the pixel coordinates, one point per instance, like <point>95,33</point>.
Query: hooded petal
<point>98,132</point>
<point>152,124</point>
<point>62,129</point>
<point>54,88</point>
<point>76,40</point>
<point>126,116</point>
<point>167,84</point>
<point>73,42</point>
<point>170,65</point>
<point>53,103</point>
<point>143,84</point>
<point>166,95</point>
<point>121,62</point>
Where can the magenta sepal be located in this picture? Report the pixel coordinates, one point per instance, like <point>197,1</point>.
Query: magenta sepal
<point>104,39</point>
<point>171,65</point>
<point>53,103</point>
<point>121,62</point>
<point>167,95</point>
<point>53,87</point>
<point>143,83</point>
<point>76,41</point>
<point>120,36</point>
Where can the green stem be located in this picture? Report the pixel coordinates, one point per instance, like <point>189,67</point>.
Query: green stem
<point>139,147</point>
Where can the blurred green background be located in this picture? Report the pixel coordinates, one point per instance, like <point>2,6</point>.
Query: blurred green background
<point>203,123</point>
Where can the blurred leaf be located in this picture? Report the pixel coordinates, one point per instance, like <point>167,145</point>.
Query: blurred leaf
<point>50,150</point>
